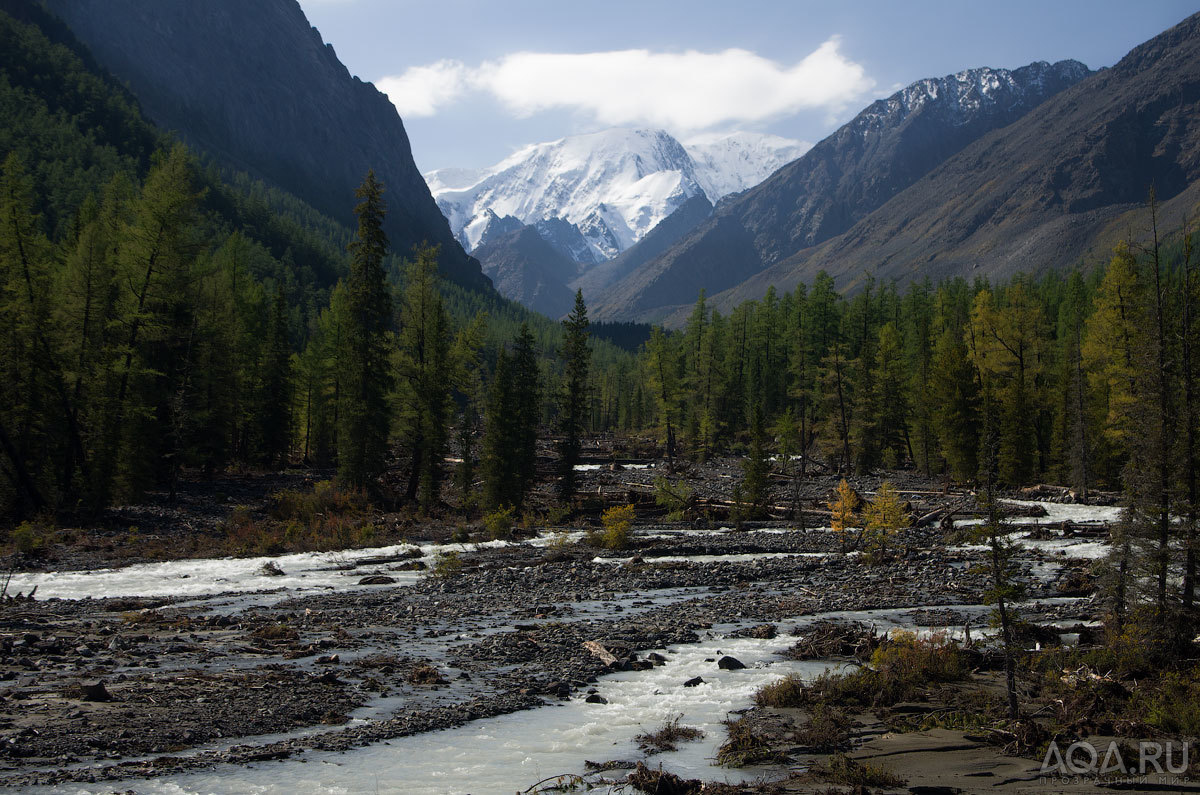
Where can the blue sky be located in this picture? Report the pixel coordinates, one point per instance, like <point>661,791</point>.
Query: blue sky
<point>476,79</point>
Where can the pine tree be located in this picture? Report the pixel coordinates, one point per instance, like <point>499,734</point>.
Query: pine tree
<point>364,415</point>
<point>573,401</point>
<point>890,400</point>
<point>469,387</point>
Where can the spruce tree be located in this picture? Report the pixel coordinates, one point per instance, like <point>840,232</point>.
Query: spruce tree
<point>756,469</point>
<point>527,413</point>
<point>426,380</point>
<point>364,414</point>
<point>573,401</point>
<point>499,438</point>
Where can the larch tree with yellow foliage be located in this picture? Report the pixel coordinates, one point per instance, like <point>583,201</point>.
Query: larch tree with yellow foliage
<point>844,512</point>
<point>883,519</point>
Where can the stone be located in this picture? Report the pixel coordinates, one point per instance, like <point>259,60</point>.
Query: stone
<point>94,691</point>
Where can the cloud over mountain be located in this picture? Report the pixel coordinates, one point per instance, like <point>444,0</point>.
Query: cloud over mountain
<point>680,91</point>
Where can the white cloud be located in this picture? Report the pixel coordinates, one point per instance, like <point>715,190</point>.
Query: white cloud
<point>683,92</point>
<point>422,90</point>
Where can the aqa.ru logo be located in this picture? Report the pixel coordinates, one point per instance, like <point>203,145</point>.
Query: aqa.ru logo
<point>1082,758</point>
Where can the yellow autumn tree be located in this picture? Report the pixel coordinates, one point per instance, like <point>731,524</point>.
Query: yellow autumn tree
<point>844,512</point>
<point>884,519</point>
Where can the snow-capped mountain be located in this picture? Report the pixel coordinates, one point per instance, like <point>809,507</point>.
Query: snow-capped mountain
<point>612,186</point>
<point>888,147</point>
<point>734,162</point>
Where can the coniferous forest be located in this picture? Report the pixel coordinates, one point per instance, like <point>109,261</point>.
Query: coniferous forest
<point>196,365</point>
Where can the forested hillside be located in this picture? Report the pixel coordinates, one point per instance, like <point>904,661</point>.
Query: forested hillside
<point>157,309</point>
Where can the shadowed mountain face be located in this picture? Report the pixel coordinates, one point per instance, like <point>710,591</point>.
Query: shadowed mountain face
<point>886,148</point>
<point>253,84</point>
<point>1059,186</point>
<point>530,271</point>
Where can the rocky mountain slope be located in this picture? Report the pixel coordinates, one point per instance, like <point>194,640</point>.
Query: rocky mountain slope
<point>254,85</point>
<point>1057,187</point>
<point>527,269</point>
<point>594,281</point>
<point>883,150</point>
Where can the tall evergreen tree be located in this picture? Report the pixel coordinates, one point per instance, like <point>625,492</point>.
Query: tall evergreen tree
<point>364,415</point>
<point>953,392</point>
<point>499,438</point>
<point>527,412</point>
<point>573,401</point>
<point>275,404</point>
<point>426,380</point>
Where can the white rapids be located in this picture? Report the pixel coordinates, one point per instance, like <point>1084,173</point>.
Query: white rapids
<point>302,572</point>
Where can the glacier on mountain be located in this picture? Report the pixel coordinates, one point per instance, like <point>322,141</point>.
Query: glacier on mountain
<point>612,186</point>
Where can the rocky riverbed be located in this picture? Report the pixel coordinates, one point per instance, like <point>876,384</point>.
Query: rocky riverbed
<point>370,647</point>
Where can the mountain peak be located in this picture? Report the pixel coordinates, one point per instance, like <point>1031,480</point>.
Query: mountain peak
<point>614,185</point>
<point>887,147</point>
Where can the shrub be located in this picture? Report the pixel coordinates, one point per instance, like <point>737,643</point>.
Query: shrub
<point>326,497</point>
<point>841,769</point>
<point>617,521</point>
<point>499,523</point>
<point>447,565</point>
<point>906,658</point>
<point>786,692</point>
<point>275,632</point>
<point>900,670</point>
<point>677,498</point>
<point>556,515</point>
<point>667,736</point>
<point>28,538</point>
<point>1172,704</point>
<point>744,747</point>
<point>827,729</point>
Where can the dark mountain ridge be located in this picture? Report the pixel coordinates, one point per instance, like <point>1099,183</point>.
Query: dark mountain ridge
<point>254,85</point>
<point>530,271</point>
<point>1059,186</point>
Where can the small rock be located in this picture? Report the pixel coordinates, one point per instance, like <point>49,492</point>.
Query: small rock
<point>377,579</point>
<point>596,698</point>
<point>95,691</point>
<point>728,663</point>
<point>271,569</point>
<point>600,652</point>
<point>694,681</point>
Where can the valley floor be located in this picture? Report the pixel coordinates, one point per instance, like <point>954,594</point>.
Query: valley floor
<point>426,665</point>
